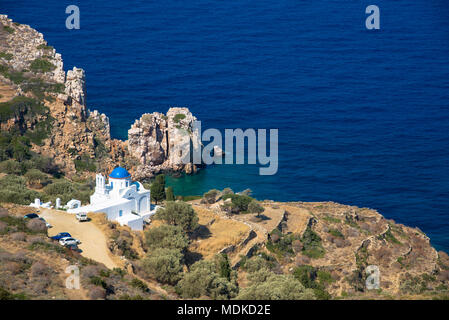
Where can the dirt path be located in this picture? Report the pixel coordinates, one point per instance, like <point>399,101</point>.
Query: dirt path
<point>93,242</point>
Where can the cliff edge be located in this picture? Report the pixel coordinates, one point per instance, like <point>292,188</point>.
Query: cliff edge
<point>48,105</point>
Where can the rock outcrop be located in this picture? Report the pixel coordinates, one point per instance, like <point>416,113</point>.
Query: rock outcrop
<point>162,142</point>
<point>27,45</point>
<point>31,68</point>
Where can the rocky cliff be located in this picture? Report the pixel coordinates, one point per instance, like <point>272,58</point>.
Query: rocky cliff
<point>158,141</point>
<point>76,137</point>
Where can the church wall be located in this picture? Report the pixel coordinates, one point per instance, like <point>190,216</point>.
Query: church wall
<point>114,211</point>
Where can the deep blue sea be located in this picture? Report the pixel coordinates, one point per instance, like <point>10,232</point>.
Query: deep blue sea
<point>363,116</point>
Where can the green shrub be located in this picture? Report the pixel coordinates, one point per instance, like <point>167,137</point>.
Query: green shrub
<point>15,76</point>
<point>21,106</point>
<point>85,164</point>
<point>241,201</point>
<point>11,167</point>
<point>166,236</point>
<point>158,189</point>
<point>190,198</point>
<point>276,287</point>
<point>281,244</point>
<point>139,284</point>
<point>41,65</point>
<point>312,244</point>
<point>39,88</point>
<point>67,190</point>
<point>98,281</point>
<point>312,278</point>
<point>170,196</point>
<point>44,47</point>
<point>165,265</point>
<point>59,187</point>
<point>255,207</point>
<point>178,214</point>
<point>204,279</point>
<point>336,233</point>
<point>331,219</point>
<point>6,295</point>
<point>178,117</point>
<point>8,29</point>
<point>223,265</point>
<point>388,236</point>
<point>256,263</point>
<point>210,196</point>
<point>14,190</point>
<point>6,56</point>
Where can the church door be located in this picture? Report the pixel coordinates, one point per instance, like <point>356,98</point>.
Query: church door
<point>143,204</point>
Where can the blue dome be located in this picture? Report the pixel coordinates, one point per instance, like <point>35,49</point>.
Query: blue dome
<point>119,173</point>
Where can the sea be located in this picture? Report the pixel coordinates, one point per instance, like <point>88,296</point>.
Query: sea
<point>362,115</point>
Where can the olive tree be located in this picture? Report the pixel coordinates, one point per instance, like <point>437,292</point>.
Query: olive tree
<point>165,265</point>
<point>178,214</point>
<point>255,207</point>
<point>167,236</point>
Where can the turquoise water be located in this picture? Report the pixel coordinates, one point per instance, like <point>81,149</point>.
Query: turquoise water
<point>363,116</point>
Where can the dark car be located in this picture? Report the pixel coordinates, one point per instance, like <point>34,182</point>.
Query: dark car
<point>61,235</point>
<point>73,247</point>
<point>30,216</point>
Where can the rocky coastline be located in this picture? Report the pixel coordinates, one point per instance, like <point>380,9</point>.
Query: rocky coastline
<point>78,134</point>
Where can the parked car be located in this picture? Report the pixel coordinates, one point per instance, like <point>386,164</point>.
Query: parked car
<point>30,216</point>
<point>68,241</point>
<point>73,247</point>
<point>61,235</point>
<point>46,223</point>
<point>82,216</point>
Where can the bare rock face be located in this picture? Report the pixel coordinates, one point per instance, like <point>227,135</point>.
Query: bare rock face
<point>161,142</point>
<point>27,45</point>
<point>75,85</point>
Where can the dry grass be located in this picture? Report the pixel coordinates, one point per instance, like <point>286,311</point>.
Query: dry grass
<point>223,233</point>
<point>100,220</point>
<point>297,219</point>
<point>6,92</point>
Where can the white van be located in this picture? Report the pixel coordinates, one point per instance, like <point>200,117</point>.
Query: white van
<point>81,216</point>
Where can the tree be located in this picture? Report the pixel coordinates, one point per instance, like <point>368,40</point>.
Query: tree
<point>178,214</point>
<point>157,189</point>
<point>11,167</point>
<point>229,208</point>
<point>167,236</point>
<point>256,263</point>
<point>170,195</point>
<point>36,178</point>
<point>164,264</point>
<point>227,192</point>
<point>210,197</point>
<point>275,287</point>
<point>241,201</point>
<point>203,280</point>
<point>223,265</point>
<point>20,148</point>
<point>255,207</point>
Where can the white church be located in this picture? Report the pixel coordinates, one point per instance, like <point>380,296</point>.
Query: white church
<point>122,200</point>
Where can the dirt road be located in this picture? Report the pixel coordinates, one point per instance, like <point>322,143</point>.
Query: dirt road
<point>93,242</point>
